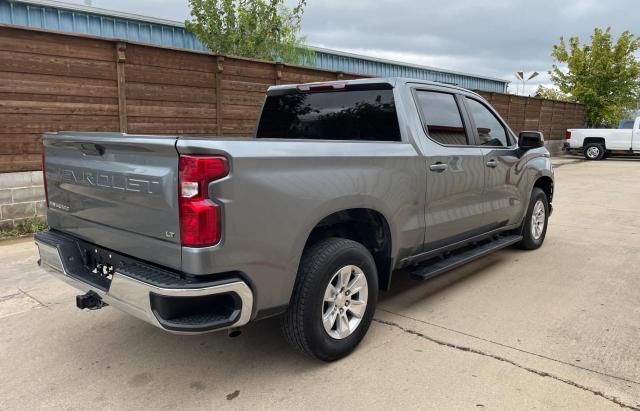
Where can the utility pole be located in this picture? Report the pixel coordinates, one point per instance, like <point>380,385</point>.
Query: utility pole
<point>533,75</point>
<point>520,75</point>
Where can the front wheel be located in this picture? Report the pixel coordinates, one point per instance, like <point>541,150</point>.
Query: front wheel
<point>534,226</point>
<point>333,300</point>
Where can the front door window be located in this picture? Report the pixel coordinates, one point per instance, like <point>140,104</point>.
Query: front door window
<point>491,132</point>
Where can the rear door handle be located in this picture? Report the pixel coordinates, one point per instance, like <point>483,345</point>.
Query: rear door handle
<point>492,163</point>
<point>438,167</point>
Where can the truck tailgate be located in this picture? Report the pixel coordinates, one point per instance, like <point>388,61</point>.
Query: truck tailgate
<point>117,191</point>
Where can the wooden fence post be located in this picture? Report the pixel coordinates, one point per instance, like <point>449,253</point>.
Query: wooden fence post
<point>539,114</point>
<point>219,115</point>
<point>121,59</point>
<point>526,109</point>
<point>509,108</point>
<point>553,112</point>
<point>278,67</point>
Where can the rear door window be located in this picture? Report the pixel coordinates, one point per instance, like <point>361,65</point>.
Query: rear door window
<point>350,114</point>
<point>441,117</point>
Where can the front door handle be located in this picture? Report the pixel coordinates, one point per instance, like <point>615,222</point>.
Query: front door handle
<point>492,163</point>
<point>438,167</point>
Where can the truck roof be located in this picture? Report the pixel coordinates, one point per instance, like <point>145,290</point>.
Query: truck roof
<point>393,81</point>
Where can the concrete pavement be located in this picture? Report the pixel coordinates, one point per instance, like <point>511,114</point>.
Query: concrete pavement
<point>554,328</point>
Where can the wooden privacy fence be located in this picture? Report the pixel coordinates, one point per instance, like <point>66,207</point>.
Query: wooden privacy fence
<point>52,81</point>
<point>551,117</point>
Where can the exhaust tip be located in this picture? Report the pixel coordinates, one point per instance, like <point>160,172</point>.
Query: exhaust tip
<point>234,332</point>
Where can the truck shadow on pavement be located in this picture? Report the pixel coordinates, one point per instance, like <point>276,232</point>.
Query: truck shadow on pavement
<point>259,349</point>
<point>410,291</point>
<point>141,361</point>
<point>119,343</point>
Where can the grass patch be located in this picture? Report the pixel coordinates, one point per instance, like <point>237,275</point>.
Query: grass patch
<point>23,228</point>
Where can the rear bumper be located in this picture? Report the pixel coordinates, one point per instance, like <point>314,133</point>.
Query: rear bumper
<point>566,146</point>
<point>175,305</point>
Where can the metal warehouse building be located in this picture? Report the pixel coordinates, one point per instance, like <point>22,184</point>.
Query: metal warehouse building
<point>72,18</point>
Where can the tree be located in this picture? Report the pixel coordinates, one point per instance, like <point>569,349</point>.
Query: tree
<point>264,29</point>
<point>552,94</point>
<point>604,76</point>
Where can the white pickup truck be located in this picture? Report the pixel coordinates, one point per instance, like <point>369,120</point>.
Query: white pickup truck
<point>597,143</point>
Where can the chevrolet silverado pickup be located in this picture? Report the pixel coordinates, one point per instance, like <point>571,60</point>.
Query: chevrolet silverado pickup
<point>597,143</point>
<point>343,184</point>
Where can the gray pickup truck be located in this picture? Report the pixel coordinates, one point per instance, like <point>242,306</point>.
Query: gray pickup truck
<point>343,184</point>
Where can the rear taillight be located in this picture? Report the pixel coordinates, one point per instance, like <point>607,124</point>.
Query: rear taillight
<point>200,217</point>
<point>44,179</point>
<point>567,135</point>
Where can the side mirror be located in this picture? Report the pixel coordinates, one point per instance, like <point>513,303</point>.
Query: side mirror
<point>530,139</point>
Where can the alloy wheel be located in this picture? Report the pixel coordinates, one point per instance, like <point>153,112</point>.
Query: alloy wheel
<point>593,152</point>
<point>538,220</point>
<point>345,302</point>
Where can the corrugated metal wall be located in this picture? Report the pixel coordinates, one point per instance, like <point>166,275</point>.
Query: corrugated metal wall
<point>349,64</point>
<point>71,21</point>
<point>173,35</point>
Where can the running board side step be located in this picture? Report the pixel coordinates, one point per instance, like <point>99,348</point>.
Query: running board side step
<point>458,258</point>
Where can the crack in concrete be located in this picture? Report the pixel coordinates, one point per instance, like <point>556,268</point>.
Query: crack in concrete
<point>579,367</point>
<point>33,298</point>
<point>463,348</point>
<point>9,297</point>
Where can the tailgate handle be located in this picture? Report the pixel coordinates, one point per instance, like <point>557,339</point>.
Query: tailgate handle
<point>91,149</point>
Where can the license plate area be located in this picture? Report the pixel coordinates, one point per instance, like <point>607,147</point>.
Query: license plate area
<point>78,259</point>
<point>98,266</point>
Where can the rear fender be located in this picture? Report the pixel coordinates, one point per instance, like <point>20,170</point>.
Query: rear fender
<point>340,204</point>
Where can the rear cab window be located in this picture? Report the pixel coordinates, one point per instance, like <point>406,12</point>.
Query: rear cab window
<point>628,124</point>
<point>355,112</point>
<point>442,118</point>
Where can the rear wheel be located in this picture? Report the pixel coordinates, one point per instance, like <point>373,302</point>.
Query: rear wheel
<point>594,151</point>
<point>534,226</point>
<point>333,301</point>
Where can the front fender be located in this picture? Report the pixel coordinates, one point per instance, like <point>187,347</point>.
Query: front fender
<point>538,165</point>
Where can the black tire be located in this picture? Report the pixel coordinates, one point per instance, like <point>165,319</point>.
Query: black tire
<point>302,322</point>
<point>594,151</point>
<point>529,240</point>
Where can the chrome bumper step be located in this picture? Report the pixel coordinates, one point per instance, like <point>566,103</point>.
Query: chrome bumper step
<point>168,302</point>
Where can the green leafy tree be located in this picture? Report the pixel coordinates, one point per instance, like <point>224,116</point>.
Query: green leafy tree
<point>264,29</point>
<point>552,94</point>
<point>603,75</point>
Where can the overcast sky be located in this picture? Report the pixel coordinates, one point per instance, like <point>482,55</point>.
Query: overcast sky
<point>490,37</point>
